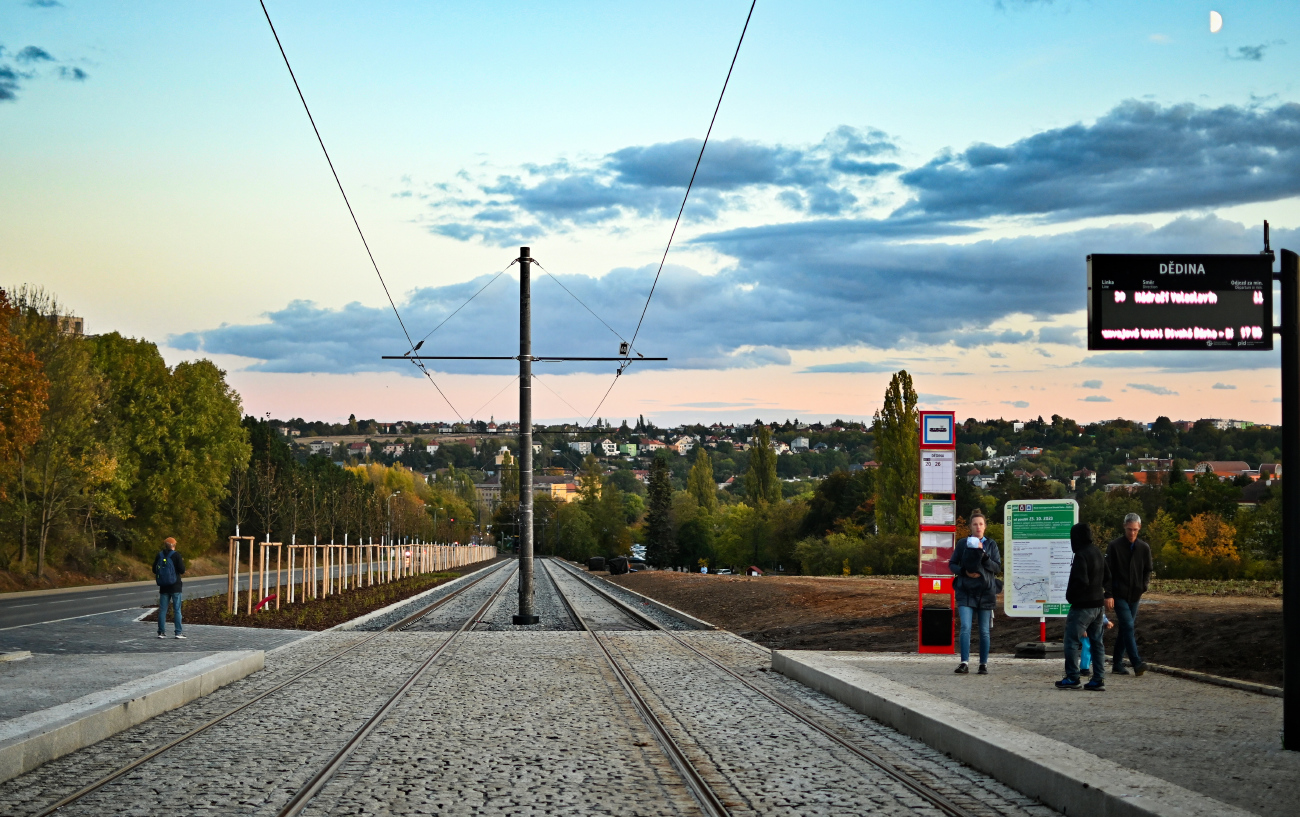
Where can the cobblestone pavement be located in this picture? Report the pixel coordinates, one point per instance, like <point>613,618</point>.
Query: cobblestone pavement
<point>394,616</point>
<point>450,616</point>
<point>546,604</point>
<point>512,721</point>
<point>668,622</point>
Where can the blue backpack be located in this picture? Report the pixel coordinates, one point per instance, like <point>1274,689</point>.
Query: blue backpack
<point>164,567</point>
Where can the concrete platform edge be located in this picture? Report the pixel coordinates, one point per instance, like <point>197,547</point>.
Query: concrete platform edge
<point>1217,680</point>
<point>31,740</point>
<point>1069,779</point>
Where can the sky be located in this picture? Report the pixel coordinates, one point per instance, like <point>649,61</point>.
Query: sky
<point>887,186</point>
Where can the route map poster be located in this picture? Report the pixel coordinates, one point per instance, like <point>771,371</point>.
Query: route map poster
<point>1036,565</point>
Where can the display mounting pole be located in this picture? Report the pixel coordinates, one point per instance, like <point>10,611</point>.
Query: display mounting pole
<point>1290,338</point>
<point>526,614</point>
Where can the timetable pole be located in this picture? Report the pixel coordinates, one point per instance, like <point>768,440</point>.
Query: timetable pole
<point>1290,337</point>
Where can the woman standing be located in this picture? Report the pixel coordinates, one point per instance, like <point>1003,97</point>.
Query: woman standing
<point>975,562</point>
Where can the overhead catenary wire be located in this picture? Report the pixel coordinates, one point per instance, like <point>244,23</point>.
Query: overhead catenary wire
<point>411,344</point>
<point>631,345</point>
<point>579,300</point>
<point>467,300</point>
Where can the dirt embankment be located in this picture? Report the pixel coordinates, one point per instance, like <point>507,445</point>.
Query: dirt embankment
<point>1239,637</point>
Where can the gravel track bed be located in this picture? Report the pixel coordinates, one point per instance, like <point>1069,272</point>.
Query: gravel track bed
<point>594,608</point>
<point>546,605</point>
<point>535,724</point>
<point>668,622</point>
<point>755,752</point>
<point>255,761</point>
<point>34,790</point>
<point>441,592</point>
<point>450,616</point>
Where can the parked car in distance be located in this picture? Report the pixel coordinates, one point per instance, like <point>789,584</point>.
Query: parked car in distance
<point>726,571</point>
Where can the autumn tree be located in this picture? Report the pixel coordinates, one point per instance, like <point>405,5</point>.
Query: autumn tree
<point>24,390</point>
<point>761,482</point>
<point>898,451</point>
<point>661,548</point>
<point>700,481</point>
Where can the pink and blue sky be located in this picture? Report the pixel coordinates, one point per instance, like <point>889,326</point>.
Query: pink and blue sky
<point>889,185</point>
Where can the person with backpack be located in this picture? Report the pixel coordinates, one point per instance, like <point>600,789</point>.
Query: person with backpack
<point>168,567</point>
<point>975,562</point>
<point>1089,576</point>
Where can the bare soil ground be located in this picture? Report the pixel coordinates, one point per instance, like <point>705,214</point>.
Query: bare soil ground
<point>1234,636</point>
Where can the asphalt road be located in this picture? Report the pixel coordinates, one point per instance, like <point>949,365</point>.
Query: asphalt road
<point>16,612</point>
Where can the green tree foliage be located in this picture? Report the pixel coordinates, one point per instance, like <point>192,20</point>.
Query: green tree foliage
<point>839,499</point>
<point>761,482</point>
<point>660,547</point>
<point>897,449</point>
<point>700,482</point>
<point>860,554</point>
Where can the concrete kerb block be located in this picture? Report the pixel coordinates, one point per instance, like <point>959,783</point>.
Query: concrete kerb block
<point>1059,775</point>
<point>39,737</point>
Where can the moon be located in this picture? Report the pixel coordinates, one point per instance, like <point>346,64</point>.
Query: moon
<point>1216,22</point>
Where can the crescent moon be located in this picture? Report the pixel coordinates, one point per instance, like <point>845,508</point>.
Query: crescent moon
<point>1216,22</point>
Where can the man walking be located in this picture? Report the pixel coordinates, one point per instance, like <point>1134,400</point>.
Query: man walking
<point>1128,575</point>
<point>1086,594</point>
<point>168,567</point>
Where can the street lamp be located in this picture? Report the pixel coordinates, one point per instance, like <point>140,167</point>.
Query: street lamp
<point>389,503</point>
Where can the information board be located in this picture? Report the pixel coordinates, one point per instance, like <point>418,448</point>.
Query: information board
<point>938,429</point>
<point>1180,302</point>
<point>936,513</point>
<point>938,471</point>
<point>1037,556</point>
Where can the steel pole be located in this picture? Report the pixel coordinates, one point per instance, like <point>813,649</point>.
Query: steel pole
<point>1291,500</point>
<point>526,615</point>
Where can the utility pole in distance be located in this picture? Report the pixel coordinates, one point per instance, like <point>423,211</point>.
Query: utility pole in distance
<point>526,358</point>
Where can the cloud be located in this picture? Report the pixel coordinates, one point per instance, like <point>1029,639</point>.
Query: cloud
<point>1161,390</point>
<point>648,180</point>
<point>1138,158</point>
<point>1017,403</point>
<point>1223,386</point>
<point>44,4</point>
<point>74,74</point>
<point>33,54</point>
<point>1095,398</point>
<point>787,290</point>
<point>853,367</point>
<point>1185,361</point>
<point>1247,53</point>
<point>934,398</point>
<point>1066,335</point>
<point>1091,384</point>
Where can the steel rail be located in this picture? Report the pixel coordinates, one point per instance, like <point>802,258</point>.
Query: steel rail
<point>798,711</point>
<point>145,758</point>
<point>304,795</point>
<point>708,800</point>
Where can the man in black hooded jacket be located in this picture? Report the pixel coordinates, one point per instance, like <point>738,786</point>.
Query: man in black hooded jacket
<point>1089,576</point>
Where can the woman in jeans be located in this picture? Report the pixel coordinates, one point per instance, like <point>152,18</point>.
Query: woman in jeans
<point>975,562</point>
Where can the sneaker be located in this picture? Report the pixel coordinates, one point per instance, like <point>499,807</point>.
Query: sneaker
<point>1085,673</point>
<point>962,669</point>
<point>179,635</point>
<point>1140,669</point>
<point>984,670</point>
<point>162,635</point>
<point>1095,686</point>
<point>1066,683</point>
<point>1119,671</point>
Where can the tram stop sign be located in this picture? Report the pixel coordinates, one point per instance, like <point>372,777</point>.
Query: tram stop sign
<point>1180,302</point>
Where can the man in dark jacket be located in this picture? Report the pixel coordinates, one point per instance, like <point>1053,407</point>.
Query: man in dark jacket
<point>1128,563</point>
<point>168,567</point>
<point>1086,594</point>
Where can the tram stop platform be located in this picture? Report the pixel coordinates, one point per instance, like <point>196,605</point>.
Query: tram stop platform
<point>68,684</point>
<point>1150,745</point>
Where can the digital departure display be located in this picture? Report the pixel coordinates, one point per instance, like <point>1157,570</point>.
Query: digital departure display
<point>1180,301</point>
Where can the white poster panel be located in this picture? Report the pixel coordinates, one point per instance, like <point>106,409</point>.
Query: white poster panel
<point>938,471</point>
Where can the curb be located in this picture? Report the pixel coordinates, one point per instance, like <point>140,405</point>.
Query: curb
<point>699,623</point>
<point>1059,775</point>
<point>351,624</point>
<point>1217,680</point>
<point>39,737</point>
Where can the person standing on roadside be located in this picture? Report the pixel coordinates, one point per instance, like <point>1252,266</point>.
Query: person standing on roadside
<point>168,567</point>
<point>1128,575</point>
<point>1086,594</point>
<point>975,562</point>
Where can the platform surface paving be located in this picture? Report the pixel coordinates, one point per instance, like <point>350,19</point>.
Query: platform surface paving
<point>1220,742</point>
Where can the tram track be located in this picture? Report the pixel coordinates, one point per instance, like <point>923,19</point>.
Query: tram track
<point>804,715</point>
<point>401,625</point>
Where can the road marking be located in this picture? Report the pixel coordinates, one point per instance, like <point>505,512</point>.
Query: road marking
<point>69,618</point>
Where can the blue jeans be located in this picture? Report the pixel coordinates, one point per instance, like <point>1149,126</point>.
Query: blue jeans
<point>164,599</point>
<point>965,615</point>
<point>1126,614</point>
<point>1078,621</point>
